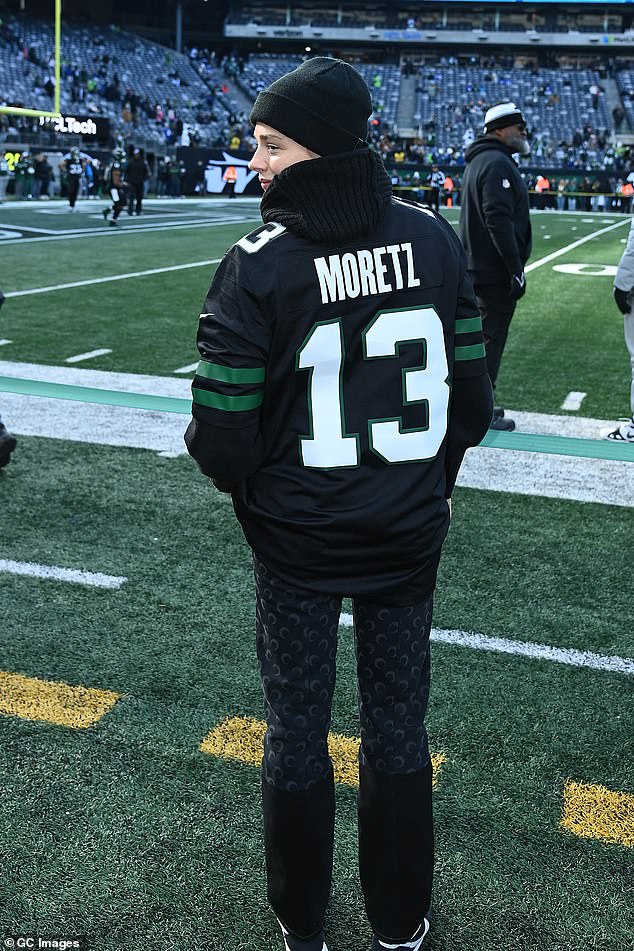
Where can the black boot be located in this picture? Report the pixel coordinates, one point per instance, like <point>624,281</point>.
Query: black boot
<point>396,849</point>
<point>298,842</point>
<point>501,423</point>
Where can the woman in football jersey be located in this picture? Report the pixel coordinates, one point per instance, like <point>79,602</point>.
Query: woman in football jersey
<point>342,377</point>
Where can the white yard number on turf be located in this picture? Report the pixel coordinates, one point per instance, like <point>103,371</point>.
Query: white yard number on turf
<point>328,447</point>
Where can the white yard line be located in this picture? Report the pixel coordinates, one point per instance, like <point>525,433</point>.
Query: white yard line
<point>4,342</point>
<point>569,656</point>
<point>112,277</point>
<point>574,400</point>
<point>87,356</point>
<point>127,229</point>
<point>576,244</point>
<point>17,229</point>
<point>54,573</point>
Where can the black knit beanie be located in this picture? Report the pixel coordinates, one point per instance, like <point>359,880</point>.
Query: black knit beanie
<point>323,105</point>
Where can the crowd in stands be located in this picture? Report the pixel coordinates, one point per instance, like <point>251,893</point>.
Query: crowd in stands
<point>146,91</point>
<point>158,98</point>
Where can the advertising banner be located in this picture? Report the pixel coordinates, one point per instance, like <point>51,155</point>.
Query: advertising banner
<point>90,128</point>
<point>205,170</point>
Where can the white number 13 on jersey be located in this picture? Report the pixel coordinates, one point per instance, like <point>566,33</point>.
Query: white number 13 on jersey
<point>328,446</point>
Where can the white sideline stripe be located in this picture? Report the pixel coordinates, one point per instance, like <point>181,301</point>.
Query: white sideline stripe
<point>86,356</point>
<point>105,379</point>
<point>569,656</point>
<point>93,579</point>
<point>538,423</point>
<point>601,481</point>
<point>136,229</point>
<point>113,277</point>
<point>576,244</point>
<point>573,400</point>
<point>188,369</point>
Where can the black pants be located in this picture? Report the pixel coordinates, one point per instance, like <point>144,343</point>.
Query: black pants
<point>119,197</point>
<point>135,194</point>
<point>297,646</point>
<point>73,189</point>
<point>497,309</point>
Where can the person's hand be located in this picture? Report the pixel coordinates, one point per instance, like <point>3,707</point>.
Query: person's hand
<point>621,298</point>
<point>517,286</point>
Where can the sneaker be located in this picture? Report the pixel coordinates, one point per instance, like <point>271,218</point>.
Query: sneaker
<point>113,224</point>
<point>8,442</point>
<point>105,212</point>
<point>623,433</point>
<point>501,424</point>
<point>296,944</point>
<point>412,944</point>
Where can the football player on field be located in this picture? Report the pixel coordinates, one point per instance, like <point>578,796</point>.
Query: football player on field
<point>72,167</point>
<point>117,187</point>
<point>342,378</point>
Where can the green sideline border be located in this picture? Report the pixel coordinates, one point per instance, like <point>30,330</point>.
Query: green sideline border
<point>524,442</point>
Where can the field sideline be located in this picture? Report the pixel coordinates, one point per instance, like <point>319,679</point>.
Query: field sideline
<point>130,707</point>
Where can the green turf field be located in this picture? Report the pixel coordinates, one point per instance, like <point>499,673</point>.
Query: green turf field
<point>126,831</point>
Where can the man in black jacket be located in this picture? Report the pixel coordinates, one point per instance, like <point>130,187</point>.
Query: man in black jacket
<point>137,171</point>
<point>495,229</point>
<point>342,378</point>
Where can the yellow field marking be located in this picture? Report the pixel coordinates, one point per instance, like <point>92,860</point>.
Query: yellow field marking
<point>594,812</point>
<point>241,738</point>
<point>63,704</point>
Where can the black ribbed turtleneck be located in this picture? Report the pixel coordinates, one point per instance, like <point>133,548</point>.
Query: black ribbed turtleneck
<point>334,198</point>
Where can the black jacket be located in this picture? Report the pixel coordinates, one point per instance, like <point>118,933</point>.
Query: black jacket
<point>342,377</point>
<point>136,171</point>
<point>495,227</point>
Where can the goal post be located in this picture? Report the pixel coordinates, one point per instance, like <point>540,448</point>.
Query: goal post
<point>18,111</point>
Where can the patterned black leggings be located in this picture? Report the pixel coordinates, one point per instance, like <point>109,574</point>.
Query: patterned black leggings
<point>297,646</point>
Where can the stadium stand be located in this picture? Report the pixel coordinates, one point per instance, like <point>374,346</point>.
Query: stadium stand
<point>159,99</point>
<point>149,93</point>
<point>383,80</point>
<point>451,99</point>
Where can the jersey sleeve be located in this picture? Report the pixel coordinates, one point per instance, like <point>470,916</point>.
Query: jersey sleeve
<point>228,388</point>
<point>469,350</point>
<point>232,339</point>
<point>471,394</point>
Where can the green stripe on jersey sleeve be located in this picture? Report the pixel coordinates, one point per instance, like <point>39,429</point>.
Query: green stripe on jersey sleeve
<point>473,352</point>
<point>232,403</point>
<point>215,371</point>
<point>466,325</point>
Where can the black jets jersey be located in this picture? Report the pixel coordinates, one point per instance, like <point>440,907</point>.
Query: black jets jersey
<point>73,166</point>
<point>342,360</point>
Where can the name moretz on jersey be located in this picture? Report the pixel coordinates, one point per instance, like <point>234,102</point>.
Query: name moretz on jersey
<point>362,273</point>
